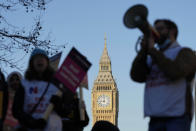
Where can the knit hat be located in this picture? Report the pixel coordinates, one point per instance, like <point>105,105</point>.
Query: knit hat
<point>38,51</point>
<point>14,73</point>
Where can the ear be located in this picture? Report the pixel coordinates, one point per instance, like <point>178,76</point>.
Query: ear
<point>172,34</point>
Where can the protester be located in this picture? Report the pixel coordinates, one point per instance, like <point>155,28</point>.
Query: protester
<point>168,71</point>
<point>72,121</point>
<point>3,99</point>
<point>35,93</point>
<point>104,126</point>
<point>13,81</point>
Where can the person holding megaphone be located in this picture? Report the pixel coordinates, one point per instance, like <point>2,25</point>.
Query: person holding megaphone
<point>167,70</point>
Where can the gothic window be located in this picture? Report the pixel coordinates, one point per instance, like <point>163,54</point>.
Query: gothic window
<point>104,68</point>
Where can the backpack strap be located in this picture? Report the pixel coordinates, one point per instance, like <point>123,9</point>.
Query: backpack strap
<point>42,96</point>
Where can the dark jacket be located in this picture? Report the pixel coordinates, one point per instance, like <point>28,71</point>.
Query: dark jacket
<point>4,90</point>
<point>74,123</point>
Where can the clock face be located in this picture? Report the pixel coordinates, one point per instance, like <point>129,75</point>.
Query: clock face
<point>103,100</point>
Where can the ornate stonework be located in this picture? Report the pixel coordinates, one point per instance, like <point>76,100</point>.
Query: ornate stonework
<point>105,92</point>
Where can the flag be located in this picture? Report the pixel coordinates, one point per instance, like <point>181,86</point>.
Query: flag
<point>84,82</point>
<point>54,61</point>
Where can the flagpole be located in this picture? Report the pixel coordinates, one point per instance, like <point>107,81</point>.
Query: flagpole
<point>81,104</point>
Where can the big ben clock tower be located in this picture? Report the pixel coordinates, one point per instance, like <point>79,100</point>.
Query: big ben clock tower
<point>105,92</point>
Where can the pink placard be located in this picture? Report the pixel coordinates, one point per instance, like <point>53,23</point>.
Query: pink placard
<point>70,74</point>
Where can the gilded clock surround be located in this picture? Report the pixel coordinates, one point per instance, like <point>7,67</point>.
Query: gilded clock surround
<point>105,92</point>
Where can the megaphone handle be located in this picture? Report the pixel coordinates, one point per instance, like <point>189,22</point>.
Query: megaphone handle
<point>146,37</point>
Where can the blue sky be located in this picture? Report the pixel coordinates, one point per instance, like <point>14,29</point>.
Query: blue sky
<point>83,24</point>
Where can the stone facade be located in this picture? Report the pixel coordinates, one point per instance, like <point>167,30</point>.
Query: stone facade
<point>105,93</point>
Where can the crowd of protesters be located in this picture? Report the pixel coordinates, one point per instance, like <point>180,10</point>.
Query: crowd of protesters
<point>26,98</point>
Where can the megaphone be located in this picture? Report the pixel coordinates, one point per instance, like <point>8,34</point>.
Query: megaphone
<point>136,17</point>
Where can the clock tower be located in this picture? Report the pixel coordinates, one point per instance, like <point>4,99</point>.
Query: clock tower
<point>105,92</point>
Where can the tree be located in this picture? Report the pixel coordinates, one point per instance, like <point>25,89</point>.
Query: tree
<point>16,41</point>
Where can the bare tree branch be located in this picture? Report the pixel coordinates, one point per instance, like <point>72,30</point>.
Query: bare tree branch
<point>15,42</point>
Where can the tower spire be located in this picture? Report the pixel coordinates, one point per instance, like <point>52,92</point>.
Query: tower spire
<point>105,41</point>
<point>105,57</point>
